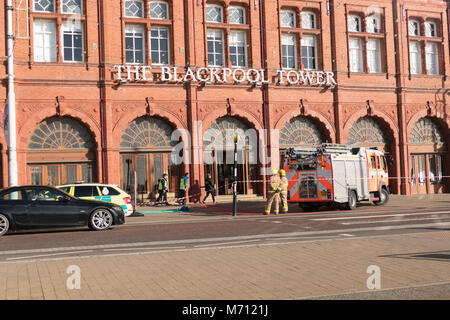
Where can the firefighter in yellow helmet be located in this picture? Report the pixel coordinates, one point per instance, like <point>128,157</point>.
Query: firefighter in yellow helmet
<point>274,192</point>
<point>284,190</point>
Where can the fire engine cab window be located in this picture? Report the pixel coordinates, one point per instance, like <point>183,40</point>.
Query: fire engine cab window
<point>378,163</point>
<point>372,162</point>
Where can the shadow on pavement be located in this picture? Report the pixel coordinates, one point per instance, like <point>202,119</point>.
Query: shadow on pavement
<point>436,255</point>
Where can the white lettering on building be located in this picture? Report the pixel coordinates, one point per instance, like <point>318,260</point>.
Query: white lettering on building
<point>224,75</point>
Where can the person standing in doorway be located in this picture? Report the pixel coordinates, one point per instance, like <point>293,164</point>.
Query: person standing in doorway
<point>284,190</point>
<point>209,188</point>
<point>274,192</point>
<point>163,188</point>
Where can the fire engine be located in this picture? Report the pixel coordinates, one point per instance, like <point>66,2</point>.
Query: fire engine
<point>333,174</point>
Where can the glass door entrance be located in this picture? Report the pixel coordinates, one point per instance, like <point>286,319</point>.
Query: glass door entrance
<point>222,173</point>
<point>427,173</point>
<point>149,168</point>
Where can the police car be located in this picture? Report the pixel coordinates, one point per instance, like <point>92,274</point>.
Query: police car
<point>102,192</point>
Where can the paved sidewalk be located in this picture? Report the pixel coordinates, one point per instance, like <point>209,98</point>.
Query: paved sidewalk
<point>277,271</point>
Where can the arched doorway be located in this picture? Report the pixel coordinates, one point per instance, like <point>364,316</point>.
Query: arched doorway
<point>145,148</point>
<point>60,150</point>
<point>374,132</point>
<point>219,155</point>
<point>427,157</point>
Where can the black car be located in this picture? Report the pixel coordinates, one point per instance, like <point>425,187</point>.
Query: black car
<point>39,207</point>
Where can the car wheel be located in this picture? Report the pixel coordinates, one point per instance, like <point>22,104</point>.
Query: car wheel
<point>352,201</point>
<point>101,219</point>
<point>384,198</point>
<point>4,224</point>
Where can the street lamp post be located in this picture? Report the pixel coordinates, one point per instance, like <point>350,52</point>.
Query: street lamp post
<point>235,178</point>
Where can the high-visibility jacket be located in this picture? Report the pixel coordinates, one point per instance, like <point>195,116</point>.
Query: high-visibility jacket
<point>274,184</point>
<point>284,182</point>
<point>163,185</point>
<point>182,184</point>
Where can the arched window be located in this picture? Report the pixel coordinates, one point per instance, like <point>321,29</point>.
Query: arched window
<point>159,10</point>
<point>308,20</point>
<point>146,133</point>
<point>425,131</point>
<point>414,28</point>
<point>61,133</point>
<point>134,9</point>
<point>236,15</point>
<point>373,24</point>
<point>354,23</point>
<point>214,13</point>
<point>222,132</point>
<point>300,131</point>
<point>366,131</point>
<point>288,19</point>
<point>430,29</point>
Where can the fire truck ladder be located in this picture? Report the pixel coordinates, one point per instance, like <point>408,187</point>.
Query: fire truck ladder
<point>326,148</point>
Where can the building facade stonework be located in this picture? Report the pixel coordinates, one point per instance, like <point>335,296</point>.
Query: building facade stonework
<point>97,98</point>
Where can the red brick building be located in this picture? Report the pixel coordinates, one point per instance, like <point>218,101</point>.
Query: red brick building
<point>239,65</point>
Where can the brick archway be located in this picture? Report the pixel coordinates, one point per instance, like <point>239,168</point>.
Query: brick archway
<point>390,132</point>
<point>380,116</point>
<point>128,117</point>
<point>443,124</point>
<point>26,129</point>
<point>242,114</point>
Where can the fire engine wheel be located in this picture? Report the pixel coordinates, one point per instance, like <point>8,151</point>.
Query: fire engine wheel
<point>384,198</point>
<point>352,201</point>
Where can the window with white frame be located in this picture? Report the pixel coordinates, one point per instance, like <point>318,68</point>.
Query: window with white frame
<point>236,15</point>
<point>72,41</point>
<point>134,9</point>
<point>414,28</point>
<point>159,10</point>
<point>238,48</point>
<point>415,57</point>
<point>308,20</point>
<point>430,29</point>
<point>309,52</point>
<point>289,50</point>
<point>134,44</point>
<point>71,6</point>
<point>373,55</point>
<point>354,23</point>
<point>432,58</point>
<point>44,6</point>
<point>356,63</point>
<point>44,41</point>
<point>214,13</point>
<point>287,18</point>
<point>215,48</point>
<point>373,24</point>
<point>159,45</point>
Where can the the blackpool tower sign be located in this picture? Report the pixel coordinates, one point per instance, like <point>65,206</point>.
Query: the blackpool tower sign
<point>131,73</point>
